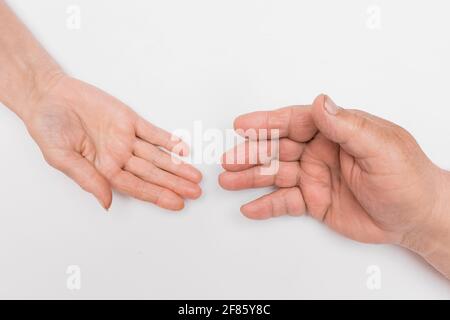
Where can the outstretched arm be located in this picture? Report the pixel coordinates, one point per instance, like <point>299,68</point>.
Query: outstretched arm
<point>89,135</point>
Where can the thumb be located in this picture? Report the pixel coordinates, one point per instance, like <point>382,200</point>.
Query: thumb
<point>357,132</point>
<point>84,173</point>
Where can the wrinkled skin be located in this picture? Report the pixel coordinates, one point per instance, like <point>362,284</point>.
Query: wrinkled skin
<point>102,144</point>
<point>363,176</point>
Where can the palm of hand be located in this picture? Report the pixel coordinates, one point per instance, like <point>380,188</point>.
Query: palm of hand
<point>102,144</point>
<point>338,192</point>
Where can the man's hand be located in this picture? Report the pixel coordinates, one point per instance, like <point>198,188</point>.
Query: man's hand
<point>363,176</point>
<point>101,144</point>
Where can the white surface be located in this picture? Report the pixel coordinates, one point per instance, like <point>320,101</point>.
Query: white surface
<point>176,62</point>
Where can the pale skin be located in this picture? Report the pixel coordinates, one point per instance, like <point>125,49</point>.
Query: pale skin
<point>92,137</point>
<point>363,176</point>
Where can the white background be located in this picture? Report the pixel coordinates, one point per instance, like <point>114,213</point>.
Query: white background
<point>176,62</point>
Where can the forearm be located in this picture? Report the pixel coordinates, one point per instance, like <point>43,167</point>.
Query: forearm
<point>432,239</point>
<point>27,70</point>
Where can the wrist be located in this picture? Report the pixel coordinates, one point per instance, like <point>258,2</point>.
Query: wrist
<point>431,238</point>
<point>34,86</point>
<point>27,69</point>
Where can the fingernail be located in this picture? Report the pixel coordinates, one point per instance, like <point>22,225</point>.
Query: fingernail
<point>330,106</point>
<point>103,206</point>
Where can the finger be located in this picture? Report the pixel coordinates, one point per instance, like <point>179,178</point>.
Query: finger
<point>356,132</point>
<point>280,202</point>
<point>148,172</point>
<point>154,135</point>
<point>293,122</point>
<point>251,153</point>
<point>166,162</point>
<point>84,173</point>
<point>128,183</point>
<point>286,175</point>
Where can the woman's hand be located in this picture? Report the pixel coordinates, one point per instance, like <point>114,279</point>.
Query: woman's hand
<point>363,176</point>
<point>102,144</point>
<point>89,135</point>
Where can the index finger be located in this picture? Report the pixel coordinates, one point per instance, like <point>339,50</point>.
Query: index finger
<point>293,122</point>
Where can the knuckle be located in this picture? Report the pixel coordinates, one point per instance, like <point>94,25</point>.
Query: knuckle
<point>355,124</point>
<point>287,175</point>
<point>360,124</point>
<point>295,204</point>
<point>405,145</point>
<point>402,139</point>
<point>141,190</point>
<point>161,195</point>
